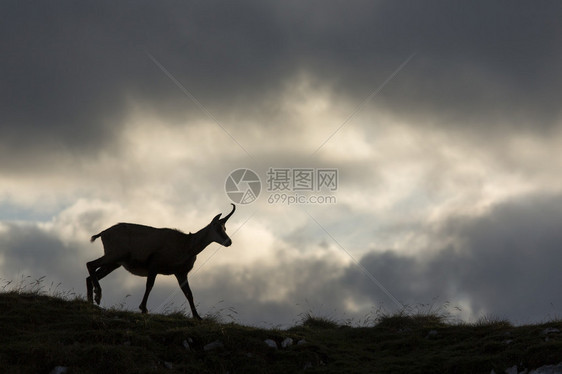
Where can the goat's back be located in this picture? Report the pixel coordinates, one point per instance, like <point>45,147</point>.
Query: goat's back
<point>139,242</point>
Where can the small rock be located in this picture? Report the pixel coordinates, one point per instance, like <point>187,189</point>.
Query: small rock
<point>287,342</point>
<point>507,341</point>
<point>548,369</point>
<point>511,370</point>
<point>550,330</point>
<point>185,344</point>
<point>59,370</point>
<point>271,343</point>
<point>214,345</point>
<point>308,365</point>
<point>301,342</point>
<point>168,365</point>
<point>431,333</point>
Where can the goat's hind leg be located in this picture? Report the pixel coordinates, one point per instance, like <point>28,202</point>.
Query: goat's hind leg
<point>97,269</point>
<point>89,289</point>
<point>92,281</point>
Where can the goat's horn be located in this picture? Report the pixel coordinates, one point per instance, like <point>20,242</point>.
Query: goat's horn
<point>229,214</point>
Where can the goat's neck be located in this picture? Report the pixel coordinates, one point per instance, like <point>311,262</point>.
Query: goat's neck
<point>200,240</point>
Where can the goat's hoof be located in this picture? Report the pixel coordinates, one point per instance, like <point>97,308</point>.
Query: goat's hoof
<point>196,316</point>
<point>97,297</point>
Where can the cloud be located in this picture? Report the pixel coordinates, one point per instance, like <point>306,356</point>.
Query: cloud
<point>500,264</point>
<point>71,70</point>
<point>29,250</point>
<point>503,263</point>
<point>83,100</point>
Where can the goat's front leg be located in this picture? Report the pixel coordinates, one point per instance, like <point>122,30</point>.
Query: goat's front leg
<point>149,284</point>
<point>184,284</point>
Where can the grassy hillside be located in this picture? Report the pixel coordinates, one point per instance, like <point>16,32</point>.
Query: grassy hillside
<point>40,333</point>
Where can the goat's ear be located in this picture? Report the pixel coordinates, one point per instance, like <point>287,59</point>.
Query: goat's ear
<point>217,217</point>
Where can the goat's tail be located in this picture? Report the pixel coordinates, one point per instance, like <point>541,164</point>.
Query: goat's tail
<point>95,237</point>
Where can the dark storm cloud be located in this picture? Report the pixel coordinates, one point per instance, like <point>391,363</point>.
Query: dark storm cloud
<point>26,250</point>
<point>69,70</point>
<point>277,291</point>
<point>481,63</point>
<point>505,264</point>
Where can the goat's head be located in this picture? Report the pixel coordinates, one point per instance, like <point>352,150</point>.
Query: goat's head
<point>218,229</point>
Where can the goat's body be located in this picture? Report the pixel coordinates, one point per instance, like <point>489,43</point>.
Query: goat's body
<point>147,251</point>
<point>142,249</point>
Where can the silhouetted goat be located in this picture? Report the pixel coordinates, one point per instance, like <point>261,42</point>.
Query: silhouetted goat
<point>147,251</point>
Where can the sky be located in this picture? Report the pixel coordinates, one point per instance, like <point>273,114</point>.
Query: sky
<point>439,123</point>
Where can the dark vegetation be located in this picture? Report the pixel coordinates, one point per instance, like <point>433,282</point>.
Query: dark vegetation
<point>39,333</point>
